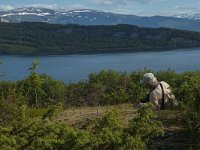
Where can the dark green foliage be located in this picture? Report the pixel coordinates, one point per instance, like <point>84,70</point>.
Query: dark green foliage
<point>145,126</point>
<point>27,100</point>
<point>190,94</point>
<point>41,90</point>
<point>185,86</point>
<point>54,110</point>
<point>106,88</point>
<point>10,107</point>
<point>106,134</point>
<point>43,38</point>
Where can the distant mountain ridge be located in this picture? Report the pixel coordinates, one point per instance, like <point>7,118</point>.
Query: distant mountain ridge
<point>94,17</point>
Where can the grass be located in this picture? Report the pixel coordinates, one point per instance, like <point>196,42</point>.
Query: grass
<point>77,116</point>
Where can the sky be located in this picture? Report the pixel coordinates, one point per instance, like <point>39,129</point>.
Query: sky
<point>133,7</point>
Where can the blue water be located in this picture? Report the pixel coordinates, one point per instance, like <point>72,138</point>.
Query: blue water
<point>72,68</point>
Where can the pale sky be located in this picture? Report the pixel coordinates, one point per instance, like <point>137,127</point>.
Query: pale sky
<point>134,7</point>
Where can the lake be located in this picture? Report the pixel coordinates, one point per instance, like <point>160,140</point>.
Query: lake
<point>73,68</point>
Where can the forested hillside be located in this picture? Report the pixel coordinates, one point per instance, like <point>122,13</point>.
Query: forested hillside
<point>42,38</point>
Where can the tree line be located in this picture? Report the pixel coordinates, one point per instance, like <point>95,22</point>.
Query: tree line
<point>43,38</point>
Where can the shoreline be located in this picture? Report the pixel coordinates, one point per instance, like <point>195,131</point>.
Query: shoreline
<point>101,51</point>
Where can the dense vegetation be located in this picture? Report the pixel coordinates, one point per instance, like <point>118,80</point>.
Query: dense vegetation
<point>35,38</point>
<point>27,107</point>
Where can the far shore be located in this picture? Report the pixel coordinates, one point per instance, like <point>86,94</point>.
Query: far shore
<point>99,51</point>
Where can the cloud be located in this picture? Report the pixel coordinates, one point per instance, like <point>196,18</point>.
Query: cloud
<point>103,1</point>
<point>55,6</point>
<point>124,6</point>
<point>186,10</point>
<point>143,1</point>
<point>6,7</point>
<point>49,6</point>
<point>125,2</point>
<point>75,6</point>
<point>175,11</point>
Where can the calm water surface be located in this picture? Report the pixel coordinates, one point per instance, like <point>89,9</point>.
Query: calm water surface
<point>72,68</point>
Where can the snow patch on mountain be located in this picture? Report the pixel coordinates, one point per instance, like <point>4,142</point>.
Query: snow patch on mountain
<point>187,16</point>
<point>81,11</point>
<point>25,13</point>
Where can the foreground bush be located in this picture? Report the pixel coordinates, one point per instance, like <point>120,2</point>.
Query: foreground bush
<point>106,134</point>
<point>43,94</point>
